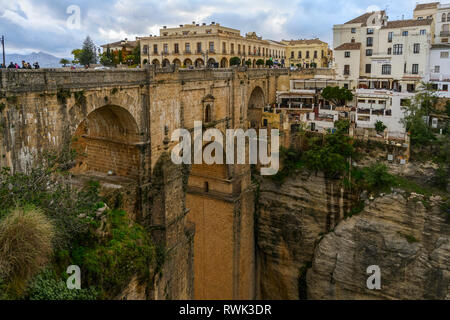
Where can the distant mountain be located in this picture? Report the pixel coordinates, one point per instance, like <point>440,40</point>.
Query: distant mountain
<point>45,60</point>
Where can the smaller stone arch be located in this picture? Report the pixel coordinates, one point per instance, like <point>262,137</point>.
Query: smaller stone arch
<point>166,63</point>
<point>208,108</point>
<point>187,62</point>
<point>199,63</point>
<point>211,62</point>
<point>224,63</point>
<point>177,62</point>
<point>155,62</point>
<point>208,114</point>
<point>145,61</point>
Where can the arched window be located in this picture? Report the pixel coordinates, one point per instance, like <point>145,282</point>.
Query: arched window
<point>443,17</point>
<point>448,17</point>
<point>208,114</point>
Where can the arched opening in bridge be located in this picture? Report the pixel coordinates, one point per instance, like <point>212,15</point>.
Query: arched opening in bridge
<point>255,107</point>
<point>187,62</point>
<point>106,143</point>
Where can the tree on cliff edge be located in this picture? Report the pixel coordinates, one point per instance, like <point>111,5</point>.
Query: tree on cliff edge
<point>88,54</point>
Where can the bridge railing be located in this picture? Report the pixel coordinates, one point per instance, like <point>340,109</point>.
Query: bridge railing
<point>53,79</point>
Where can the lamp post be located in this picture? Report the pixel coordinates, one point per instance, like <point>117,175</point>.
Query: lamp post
<point>3,50</point>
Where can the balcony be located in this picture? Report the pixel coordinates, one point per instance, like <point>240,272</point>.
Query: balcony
<point>199,52</point>
<point>176,52</point>
<point>187,51</point>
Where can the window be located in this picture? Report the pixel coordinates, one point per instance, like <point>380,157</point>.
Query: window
<point>423,32</point>
<point>405,33</point>
<point>211,46</point>
<point>445,87</point>
<point>232,48</point>
<point>166,48</point>
<point>176,48</point>
<point>437,69</point>
<point>224,47</point>
<point>145,49</point>
<point>390,36</point>
<point>299,54</point>
<point>199,47</point>
<point>155,48</point>
<point>386,69</point>
<point>369,52</point>
<point>292,54</point>
<point>188,47</point>
<point>389,51</point>
<point>448,17</point>
<point>416,47</point>
<point>443,17</point>
<point>208,31</point>
<point>315,54</point>
<point>369,31</point>
<point>398,49</point>
<point>208,114</point>
<point>369,42</point>
<point>347,54</point>
<point>307,54</point>
<point>239,49</point>
<point>444,40</point>
<point>444,54</point>
<point>404,102</point>
<point>347,69</point>
<point>415,69</point>
<point>368,68</point>
<point>353,30</point>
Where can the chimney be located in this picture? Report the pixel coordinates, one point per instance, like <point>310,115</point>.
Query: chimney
<point>165,27</point>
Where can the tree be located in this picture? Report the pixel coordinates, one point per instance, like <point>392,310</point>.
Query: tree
<point>248,62</point>
<point>235,61</point>
<point>88,53</point>
<point>107,57</point>
<point>380,127</point>
<point>137,53</point>
<point>417,116</point>
<point>269,63</point>
<point>336,95</point>
<point>260,62</point>
<point>76,55</point>
<point>64,62</point>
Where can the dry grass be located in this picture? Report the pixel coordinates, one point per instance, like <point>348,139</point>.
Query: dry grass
<point>25,246</point>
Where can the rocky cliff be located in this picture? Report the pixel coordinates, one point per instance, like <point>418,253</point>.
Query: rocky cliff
<point>290,221</point>
<point>409,242</point>
<point>301,223</point>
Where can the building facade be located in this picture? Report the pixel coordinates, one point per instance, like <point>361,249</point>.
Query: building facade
<point>195,45</point>
<point>307,53</point>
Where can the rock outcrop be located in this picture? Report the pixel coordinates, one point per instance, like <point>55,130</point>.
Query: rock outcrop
<point>408,241</point>
<point>290,221</point>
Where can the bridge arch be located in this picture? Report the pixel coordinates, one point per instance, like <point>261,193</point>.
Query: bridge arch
<point>255,107</point>
<point>106,141</point>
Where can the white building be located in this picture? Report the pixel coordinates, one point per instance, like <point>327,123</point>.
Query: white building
<point>438,72</point>
<point>382,105</point>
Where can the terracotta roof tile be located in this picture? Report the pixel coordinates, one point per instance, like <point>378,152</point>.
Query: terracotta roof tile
<point>349,46</point>
<point>407,23</point>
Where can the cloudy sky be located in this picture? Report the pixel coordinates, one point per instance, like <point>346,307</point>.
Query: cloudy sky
<point>41,25</point>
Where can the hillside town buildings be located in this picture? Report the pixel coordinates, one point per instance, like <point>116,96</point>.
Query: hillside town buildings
<point>383,61</point>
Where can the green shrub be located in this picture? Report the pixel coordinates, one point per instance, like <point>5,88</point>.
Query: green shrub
<point>46,286</point>
<point>26,236</point>
<point>110,262</point>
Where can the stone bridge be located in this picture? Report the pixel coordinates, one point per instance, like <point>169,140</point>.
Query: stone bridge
<point>120,121</point>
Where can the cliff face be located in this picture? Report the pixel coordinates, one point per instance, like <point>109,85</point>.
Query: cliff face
<point>302,222</point>
<point>410,244</point>
<point>290,221</point>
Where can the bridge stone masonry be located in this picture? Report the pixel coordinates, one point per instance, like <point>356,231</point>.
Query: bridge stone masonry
<point>121,121</point>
